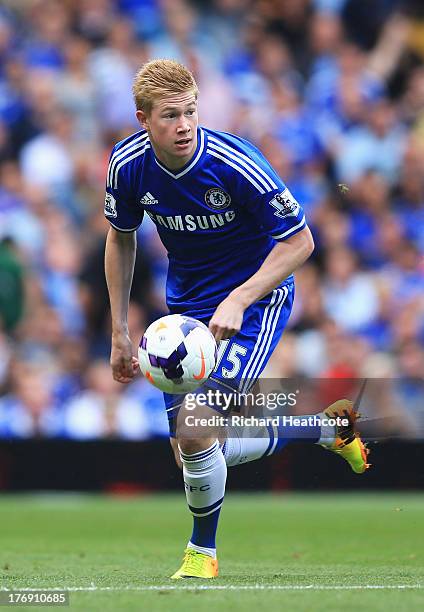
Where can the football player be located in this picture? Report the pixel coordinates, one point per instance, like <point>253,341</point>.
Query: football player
<point>234,235</point>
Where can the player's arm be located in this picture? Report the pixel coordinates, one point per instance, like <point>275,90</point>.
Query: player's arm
<point>282,261</point>
<point>120,255</point>
<point>125,215</point>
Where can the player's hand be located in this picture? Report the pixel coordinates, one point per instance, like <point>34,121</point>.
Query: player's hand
<point>227,319</point>
<point>124,364</point>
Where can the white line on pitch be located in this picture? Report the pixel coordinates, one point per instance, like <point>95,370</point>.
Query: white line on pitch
<point>224,587</point>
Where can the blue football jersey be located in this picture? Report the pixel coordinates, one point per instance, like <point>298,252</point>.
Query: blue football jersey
<point>218,217</point>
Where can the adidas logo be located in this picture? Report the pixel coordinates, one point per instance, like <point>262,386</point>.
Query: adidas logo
<point>148,199</point>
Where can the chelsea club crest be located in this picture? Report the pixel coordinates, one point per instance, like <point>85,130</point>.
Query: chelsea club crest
<point>217,198</point>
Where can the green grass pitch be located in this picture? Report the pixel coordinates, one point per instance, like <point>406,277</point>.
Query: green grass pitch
<point>300,552</point>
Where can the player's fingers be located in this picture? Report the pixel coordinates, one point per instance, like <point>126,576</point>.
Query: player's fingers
<point>123,370</point>
<point>119,373</point>
<point>123,376</point>
<point>218,335</point>
<point>223,333</point>
<point>229,333</point>
<point>128,373</point>
<point>123,379</point>
<point>214,330</point>
<point>218,332</point>
<point>127,367</point>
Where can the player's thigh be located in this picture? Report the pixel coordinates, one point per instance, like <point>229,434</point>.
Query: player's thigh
<point>242,358</point>
<point>240,361</point>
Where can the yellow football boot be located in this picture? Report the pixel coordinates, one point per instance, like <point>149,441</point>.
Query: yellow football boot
<point>348,444</point>
<point>196,565</point>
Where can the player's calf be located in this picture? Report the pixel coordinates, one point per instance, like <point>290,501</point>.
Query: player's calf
<point>205,474</point>
<point>344,440</point>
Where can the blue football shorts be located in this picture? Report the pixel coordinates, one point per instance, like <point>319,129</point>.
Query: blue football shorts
<point>242,358</point>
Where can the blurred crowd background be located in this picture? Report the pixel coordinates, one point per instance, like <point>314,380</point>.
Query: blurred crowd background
<point>332,92</point>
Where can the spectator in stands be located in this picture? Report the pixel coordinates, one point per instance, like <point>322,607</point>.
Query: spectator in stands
<point>102,411</point>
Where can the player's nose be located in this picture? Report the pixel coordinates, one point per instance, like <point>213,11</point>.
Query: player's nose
<point>183,126</point>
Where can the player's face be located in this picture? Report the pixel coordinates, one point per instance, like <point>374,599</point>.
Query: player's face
<point>172,127</point>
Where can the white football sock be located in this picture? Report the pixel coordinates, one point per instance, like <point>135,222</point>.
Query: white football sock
<point>211,552</point>
<point>205,474</point>
<point>238,450</point>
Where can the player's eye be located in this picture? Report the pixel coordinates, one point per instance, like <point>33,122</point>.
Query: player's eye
<point>190,113</point>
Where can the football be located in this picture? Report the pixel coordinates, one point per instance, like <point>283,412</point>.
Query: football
<point>177,353</point>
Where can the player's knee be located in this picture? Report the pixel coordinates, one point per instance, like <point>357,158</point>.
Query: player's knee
<point>190,446</point>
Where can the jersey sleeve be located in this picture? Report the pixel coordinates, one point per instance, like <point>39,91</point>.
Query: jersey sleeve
<point>265,196</point>
<point>121,208</point>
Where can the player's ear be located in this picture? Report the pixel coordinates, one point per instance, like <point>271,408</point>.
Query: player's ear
<point>142,119</point>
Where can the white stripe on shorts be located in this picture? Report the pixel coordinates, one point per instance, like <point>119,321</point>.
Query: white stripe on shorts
<point>264,351</point>
<point>276,298</point>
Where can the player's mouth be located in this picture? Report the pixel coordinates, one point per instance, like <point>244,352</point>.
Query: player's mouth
<point>183,143</point>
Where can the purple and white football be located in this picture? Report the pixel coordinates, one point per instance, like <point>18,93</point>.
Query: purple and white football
<point>177,353</point>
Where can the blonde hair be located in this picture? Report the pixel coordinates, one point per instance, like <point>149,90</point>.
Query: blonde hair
<point>161,77</point>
